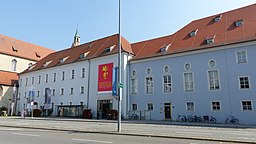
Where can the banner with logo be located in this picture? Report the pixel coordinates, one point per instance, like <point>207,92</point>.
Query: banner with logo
<point>114,82</point>
<point>105,74</point>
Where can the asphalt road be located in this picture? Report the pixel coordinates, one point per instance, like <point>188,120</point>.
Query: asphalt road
<point>34,136</point>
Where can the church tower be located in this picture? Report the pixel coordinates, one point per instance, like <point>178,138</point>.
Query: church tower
<point>76,41</point>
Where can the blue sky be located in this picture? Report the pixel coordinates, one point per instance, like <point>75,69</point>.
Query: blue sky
<point>52,23</point>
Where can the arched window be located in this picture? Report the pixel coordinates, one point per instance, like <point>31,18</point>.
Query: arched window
<point>14,64</point>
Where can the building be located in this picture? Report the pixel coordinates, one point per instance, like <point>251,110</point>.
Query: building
<point>15,57</point>
<point>71,78</point>
<point>205,68</point>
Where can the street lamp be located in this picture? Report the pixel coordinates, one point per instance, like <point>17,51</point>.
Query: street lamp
<point>119,67</point>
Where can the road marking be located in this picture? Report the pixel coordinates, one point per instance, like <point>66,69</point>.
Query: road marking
<point>96,141</point>
<point>23,134</point>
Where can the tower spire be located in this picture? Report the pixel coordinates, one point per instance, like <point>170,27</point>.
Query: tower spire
<point>76,41</point>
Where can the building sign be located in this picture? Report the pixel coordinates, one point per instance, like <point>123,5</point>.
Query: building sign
<point>105,74</point>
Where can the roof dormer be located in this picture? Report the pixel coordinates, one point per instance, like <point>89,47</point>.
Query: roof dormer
<point>239,22</point>
<point>109,49</point>
<point>164,48</point>
<point>83,55</point>
<point>47,63</point>
<point>217,18</point>
<point>193,33</point>
<point>62,60</point>
<point>210,40</point>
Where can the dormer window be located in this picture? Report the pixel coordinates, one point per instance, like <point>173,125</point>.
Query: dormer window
<point>64,59</point>
<point>217,18</point>
<point>47,63</point>
<point>193,33</point>
<point>83,55</point>
<point>14,49</point>
<point>109,49</point>
<point>164,48</point>
<point>210,40</point>
<point>239,22</point>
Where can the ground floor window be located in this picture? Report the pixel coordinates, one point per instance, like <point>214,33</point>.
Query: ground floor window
<point>216,106</point>
<point>134,107</point>
<point>246,105</point>
<point>190,107</point>
<point>150,107</point>
<point>70,110</point>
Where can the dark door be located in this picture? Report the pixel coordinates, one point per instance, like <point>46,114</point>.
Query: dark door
<point>167,110</point>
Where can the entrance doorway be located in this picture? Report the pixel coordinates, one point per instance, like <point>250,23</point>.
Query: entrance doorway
<point>167,111</point>
<point>102,108</point>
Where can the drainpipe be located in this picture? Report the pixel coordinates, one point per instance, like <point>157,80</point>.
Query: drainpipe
<point>88,84</point>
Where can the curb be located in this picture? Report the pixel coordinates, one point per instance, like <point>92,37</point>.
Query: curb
<point>133,134</point>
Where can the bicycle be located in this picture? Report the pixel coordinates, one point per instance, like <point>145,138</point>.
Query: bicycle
<point>232,120</point>
<point>181,118</point>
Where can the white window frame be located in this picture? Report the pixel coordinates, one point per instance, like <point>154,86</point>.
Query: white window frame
<point>148,106</point>
<point>82,92</point>
<point>53,92</point>
<point>134,86</point>
<point>46,78</point>
<point>194,107</point>
<point>239,82</point>
<point>242,107</point>
<point>39,79</point>
<point>54,77</point>
<point>215,110</point>
<point>73,74</point>
<point>214,80</point>
<point>62,92</point>
<point>72,89</point>
<point>238,57</point>
<point>167,83</point>
<point>151,84</point>
<point>63,75</point>
<point>136,106</point>
<point>192,81</point>
<point>83,72</point>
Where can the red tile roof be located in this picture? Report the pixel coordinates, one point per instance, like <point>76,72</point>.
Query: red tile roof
<point>94,49</point>
<point>8,78</point>
<point>224,32</point>
<point>18,48</point>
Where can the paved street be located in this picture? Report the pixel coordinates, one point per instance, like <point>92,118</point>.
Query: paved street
<point>32,136</point>
<point>159,129</point>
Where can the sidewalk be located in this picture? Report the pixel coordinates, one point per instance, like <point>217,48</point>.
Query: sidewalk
<point>165,129</point>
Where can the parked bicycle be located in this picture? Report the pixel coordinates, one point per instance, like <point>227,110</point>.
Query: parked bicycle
<point>194,118</point>
<point>181,118</point>
<point>209,119</point>
<point>231,120</point>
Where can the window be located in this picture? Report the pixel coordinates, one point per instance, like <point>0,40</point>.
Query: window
<point>134,73</point>
<point>53,92</point>
<point>109,49</point>
<point>187,66</point>
<point>14,65</point>
<point>20,84</point>
<point>167,84</point>
<point>214,80</point>
<point>39,79</point>
<point>83,73</point>
<point>63,76</point>
<point>71,90</point>
<point>134,85</point>
<point>134,107</point>
<point>216,106</point>
<point>188,82</point>
<point>190,107</point>
<point>246,105</point>
<point>148,71</point>
<point>82,89</point>
<point>72,74</point>
<point>166,69</point>
<point>217,18</point>
<point>38,93</point>
<point>193,33</point>
<point>62,91</point>
<point>32,80</point>
<point>54,77</point>
<point>212,63</point>
<point>46,78</point>
<point>25,95</point>
<point>149,85</point>
<point>209,40</point>
<point>239,22</point>
<point>150,107</point>
<point>26,82</point>
<point>241,57</point>
<point>244,82</point>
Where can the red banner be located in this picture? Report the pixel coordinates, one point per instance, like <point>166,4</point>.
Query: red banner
<point>105,73</point>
